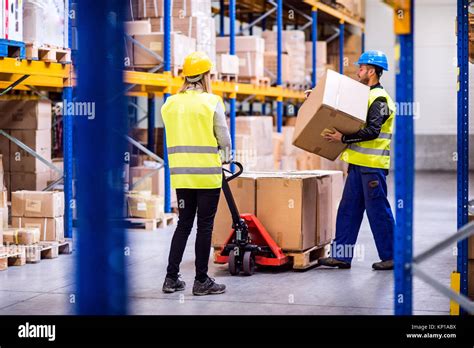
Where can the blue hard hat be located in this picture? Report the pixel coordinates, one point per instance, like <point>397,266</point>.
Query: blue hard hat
<point>376,58</point>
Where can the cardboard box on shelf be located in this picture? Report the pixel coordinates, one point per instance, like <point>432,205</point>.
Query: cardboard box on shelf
<point>38,203</point>
<point>251,64</point>
<point>321,55</point>
<point>270,63</point>
<point>337,102</point>
<point>293,41</point>
<point>28,181</point>
<point>181,46</point>
<point>259,129</point>
<point>242,44</point>
<point>50,229</point>
<point>179,8</point>
<point>44,23</point>
<point>25,114</point>
<point>146,206</point>
<point>21,236</point>
<point>37,140</point>
<point>5,151</point>
<point>294,209</point>
<point>138,27</point>
<point>227,64</point>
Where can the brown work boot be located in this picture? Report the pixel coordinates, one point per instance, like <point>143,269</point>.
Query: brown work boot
<point>332,262</point>
<point>383,265</point>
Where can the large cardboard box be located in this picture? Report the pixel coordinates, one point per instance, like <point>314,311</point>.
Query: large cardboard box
<point>294,209</point>
<point>181,46</point>
<point>28,181</point>
<point>25,114</point>
<point>179,8</point>
<point>244,192</point>
<point>228,64</point>
<point>337,102</point>
<point>21,236</point>
<point>38,203</point>
<point>50,229</point>
<point>5,151</point>
<point>242,44</point>
<point>145,206</point>
<point>37,140</point>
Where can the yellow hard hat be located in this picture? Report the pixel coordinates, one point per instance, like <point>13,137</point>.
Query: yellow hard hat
<point>196,63</point>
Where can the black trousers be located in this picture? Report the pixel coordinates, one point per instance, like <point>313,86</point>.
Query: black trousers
<point>205,202</point>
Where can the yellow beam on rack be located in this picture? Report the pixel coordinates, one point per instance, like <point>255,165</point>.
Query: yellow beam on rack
<point>335,13</point>
<point>160,83</point>
<point>7,79</point>
<point>34,68</point>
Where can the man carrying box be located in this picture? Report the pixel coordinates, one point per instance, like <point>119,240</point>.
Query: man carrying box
<point>368,155</point>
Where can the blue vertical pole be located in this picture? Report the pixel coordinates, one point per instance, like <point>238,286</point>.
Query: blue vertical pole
<point>314,38</point>
<point>167,69</point>
<point>101,147</point>
<point>221,18</point>
<point>404,177</point>
<point>463,136</point>
<point>341,47</point>
<point>68,142</point>
<point>279,59</point>
<point>264,108</point>
<point>363,41</point>
<point>250,21</point>
<point>151,123</point>
<point>232,96</point>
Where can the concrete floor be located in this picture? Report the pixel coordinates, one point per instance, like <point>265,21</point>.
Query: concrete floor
<point>48,287</point>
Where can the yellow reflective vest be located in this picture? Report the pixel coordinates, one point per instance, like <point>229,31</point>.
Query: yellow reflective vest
<point>193,156</point>
<point>374,153</point>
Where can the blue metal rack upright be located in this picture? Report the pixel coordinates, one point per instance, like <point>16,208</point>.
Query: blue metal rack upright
<point>232,97</point>
<point>404,175</point>
<point>314,40</point>
<point>167,69</point>
<point>151,123</point>
<point>101,280</point>
<point>463,135</point>
<point>279,62</point>
<point>341,46</point>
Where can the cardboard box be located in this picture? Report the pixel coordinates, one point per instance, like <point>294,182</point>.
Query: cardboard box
<point>45,22</point>
<point>21,236</point>
<point>28,181</point>
<point>179,8</point>
<point>38,203</point>
<point>138,27</point>
<point>292,41</point>
<point>5,216</point>
<point>54,175</point>
<point>337,102</point>
<point>50,229</point>
<point>181,46</point>
<point>228,64</point>
<point>5,151</point>
<point>294,209</point>
<point>251,64</point>
<point>321,55</point>
<point>244,192</point>
<point>37,140</point>
<point>242,44</point>
<point>259,129</point>
<point>145,206</point>
<point>270,63</point>
<point>25,114</point>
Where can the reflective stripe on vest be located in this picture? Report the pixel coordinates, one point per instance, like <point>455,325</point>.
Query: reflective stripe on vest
<point>193,156</point>
<point>374,153</point>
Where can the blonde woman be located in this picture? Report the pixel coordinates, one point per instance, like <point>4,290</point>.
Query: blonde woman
<point>198,142</point>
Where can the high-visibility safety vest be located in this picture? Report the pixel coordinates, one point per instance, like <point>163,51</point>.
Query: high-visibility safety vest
<point>193,156</point>
<point>374,153</point>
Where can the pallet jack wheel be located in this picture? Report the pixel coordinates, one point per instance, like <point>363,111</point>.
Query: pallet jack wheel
<point>234,267</point>
<point>248,263</point>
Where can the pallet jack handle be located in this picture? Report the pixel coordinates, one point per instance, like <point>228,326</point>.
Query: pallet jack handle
<point>234,175</point>
<point>234,211</point>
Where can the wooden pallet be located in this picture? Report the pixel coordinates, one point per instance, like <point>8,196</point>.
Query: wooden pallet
<point>12,49</point>
<point>257,81</point>
<point>12,256</point>
<point>228,77</point>
<point>152,224</point>
<point>43,250</point>
<point>308,258</point>
<point>48,54</point>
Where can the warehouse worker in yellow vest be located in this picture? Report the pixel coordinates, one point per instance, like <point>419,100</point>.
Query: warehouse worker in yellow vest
<point>198,142</point>
<point>368,155</point>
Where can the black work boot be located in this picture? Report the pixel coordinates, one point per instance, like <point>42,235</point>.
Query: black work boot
<point>383,265</point>
<point>332,262</point>
<point>209,287</point>
<point>170,285</point>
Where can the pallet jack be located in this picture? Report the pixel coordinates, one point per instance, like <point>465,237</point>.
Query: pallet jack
<point>249,243</point>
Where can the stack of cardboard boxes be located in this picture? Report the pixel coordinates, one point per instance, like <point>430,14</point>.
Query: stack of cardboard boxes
<point>142,204</point>
<point>294,48</point>
<point>355,8</point>
<point>30,122</point>
<point>41,210</point>
<point>352,52</point>
<point>192,26</point>
<point>249,50</point>
<point>253,142</point>
<point>321,60</point>
<point>298,209</point>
